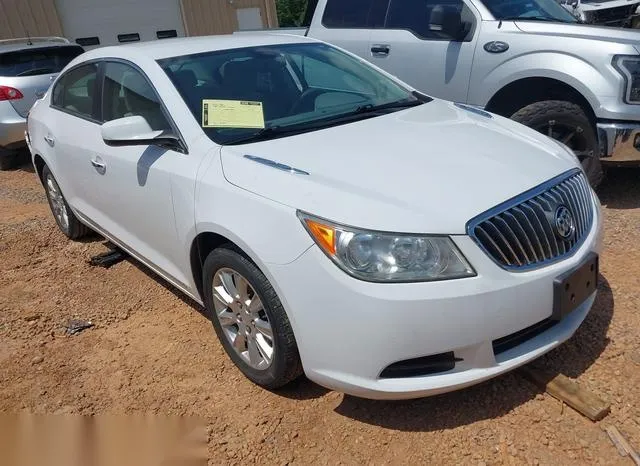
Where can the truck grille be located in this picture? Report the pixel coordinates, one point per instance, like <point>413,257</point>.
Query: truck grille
<point>539,227</point>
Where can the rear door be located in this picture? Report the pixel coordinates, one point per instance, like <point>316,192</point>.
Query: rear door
<point>72,131</point>
<point>348,24</point>
<point>32,70</point>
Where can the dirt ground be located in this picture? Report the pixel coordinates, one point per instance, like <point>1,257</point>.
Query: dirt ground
<point>152,351</point>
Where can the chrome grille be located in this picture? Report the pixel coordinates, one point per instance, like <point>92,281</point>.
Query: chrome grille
<point>526,233</point>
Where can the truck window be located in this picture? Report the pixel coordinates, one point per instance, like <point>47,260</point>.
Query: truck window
<point>415,16</point>
<point>354,14</point>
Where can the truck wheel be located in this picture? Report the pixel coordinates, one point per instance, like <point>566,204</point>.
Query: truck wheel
<point>567,123</point>
<point>66,220</point>
<point>249,319</point>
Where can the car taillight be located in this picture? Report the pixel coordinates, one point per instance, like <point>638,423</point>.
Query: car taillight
<point>9,93</point>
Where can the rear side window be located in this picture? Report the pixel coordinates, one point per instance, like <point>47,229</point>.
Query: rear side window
<point>75,92</point>
<point>34,62</point>
<point>354,13</point>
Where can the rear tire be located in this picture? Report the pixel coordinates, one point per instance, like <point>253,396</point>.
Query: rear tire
<point>62,213</point>
<point>239,285</point>
<point>567,123</point>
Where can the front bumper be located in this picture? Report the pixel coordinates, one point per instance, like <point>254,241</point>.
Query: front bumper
<point>348,331</point>
<point>619,141</point>
<point>12,127</point>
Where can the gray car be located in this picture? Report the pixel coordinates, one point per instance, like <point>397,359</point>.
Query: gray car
<point>27,69</point>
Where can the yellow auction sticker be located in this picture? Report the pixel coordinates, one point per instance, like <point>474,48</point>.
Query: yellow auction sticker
<point>232,114</point>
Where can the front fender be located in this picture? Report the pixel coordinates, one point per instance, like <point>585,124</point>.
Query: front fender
<point>585,78</point>
<point>267,231</point>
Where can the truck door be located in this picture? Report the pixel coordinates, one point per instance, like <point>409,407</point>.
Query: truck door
<point>418,44</point>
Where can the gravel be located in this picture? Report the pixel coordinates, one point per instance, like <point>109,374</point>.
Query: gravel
<point>152,351</point>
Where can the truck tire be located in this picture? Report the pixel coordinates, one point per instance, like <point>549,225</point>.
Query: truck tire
<point>567,123</point>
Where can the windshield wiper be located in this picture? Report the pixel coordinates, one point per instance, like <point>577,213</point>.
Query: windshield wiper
<point>259,135</point>
<point>400,104</point>
<point>534,18</point>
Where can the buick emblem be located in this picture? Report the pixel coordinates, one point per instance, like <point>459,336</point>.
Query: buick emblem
<point>564,223</point>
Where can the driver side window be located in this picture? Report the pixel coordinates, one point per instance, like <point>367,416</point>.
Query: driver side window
<point>127,92</point>
<point>427,19</point>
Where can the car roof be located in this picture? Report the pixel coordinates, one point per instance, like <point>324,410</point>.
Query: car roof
<point>166,48</point>
<point>13,45</point>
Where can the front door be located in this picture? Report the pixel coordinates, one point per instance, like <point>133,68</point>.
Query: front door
<point>136,182</point>
<point>413,46</point>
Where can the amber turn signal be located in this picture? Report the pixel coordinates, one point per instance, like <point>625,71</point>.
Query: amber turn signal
<point>324,235</point>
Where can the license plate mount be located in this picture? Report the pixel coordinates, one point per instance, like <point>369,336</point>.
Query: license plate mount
<point>572,288</point>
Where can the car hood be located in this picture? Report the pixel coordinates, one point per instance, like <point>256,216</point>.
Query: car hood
<point>427,169</point>
<point>581,31</point>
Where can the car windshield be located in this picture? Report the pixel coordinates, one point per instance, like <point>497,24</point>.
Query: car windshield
<point>257,93</point>
<point>529,10</point>
<point>38,61</point>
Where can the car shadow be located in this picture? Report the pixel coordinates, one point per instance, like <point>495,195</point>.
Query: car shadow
<point>495,397</point>
<point>621,188</point>
<point>148,158</point>
<point>22,162</point>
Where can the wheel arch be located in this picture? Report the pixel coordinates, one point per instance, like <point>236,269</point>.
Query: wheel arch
<point>39,164</point>
<point>526,91</point>
<point>208,240</point>
<point>211,237</point>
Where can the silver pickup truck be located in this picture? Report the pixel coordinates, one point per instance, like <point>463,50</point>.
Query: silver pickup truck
<point>529,60</point>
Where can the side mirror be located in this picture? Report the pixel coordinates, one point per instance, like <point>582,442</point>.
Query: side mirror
<point>446,21</point>
<point>135,131</point>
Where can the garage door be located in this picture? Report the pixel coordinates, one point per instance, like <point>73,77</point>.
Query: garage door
<point>111,22</point>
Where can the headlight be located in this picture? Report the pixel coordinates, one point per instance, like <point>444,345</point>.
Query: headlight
<point>388,257</point>
<point>629,67</point>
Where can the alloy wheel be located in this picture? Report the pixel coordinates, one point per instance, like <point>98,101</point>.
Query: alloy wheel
<point>58,205</point>
<point>243,319</point>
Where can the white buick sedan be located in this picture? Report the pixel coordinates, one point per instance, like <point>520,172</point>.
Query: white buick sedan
<point>331,219</point>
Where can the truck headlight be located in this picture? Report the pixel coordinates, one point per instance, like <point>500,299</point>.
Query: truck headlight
<point>629,67</point>
<point>388,257</point>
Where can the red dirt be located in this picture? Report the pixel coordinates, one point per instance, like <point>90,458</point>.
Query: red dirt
<point>152,351</point>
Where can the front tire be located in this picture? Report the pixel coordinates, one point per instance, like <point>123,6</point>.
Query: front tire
<point>249,319</point>
<point>64,217</point>
<point>567,123</point>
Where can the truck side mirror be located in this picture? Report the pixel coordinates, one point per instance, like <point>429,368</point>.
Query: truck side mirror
<point>446,21</point>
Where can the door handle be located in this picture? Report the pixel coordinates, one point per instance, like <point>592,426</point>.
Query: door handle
<point>99,166</point>
<point>49,140</point>
<point>380,50</point>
